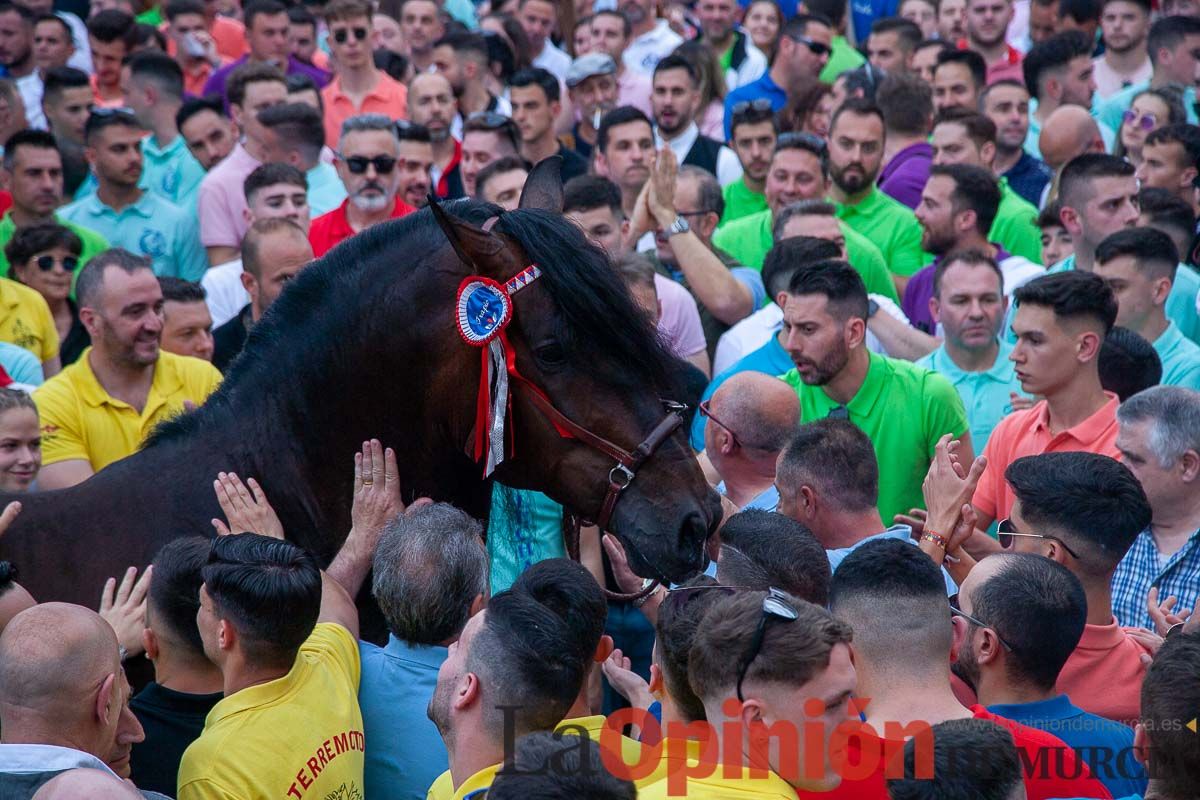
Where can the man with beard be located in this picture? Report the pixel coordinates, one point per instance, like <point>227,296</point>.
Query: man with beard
<point>904,409</point>
<point>16,55</point>
<point>856,147</point>
<point>487,136</point>
<point>1059,72</point>
<point>431,103</point>
<point>987,26</point>
<point>753,134</point>
<point>650,39</point>
<point>536,105</point>
<point>1006,104</point>
<point>463,59</point>
<point>1039,608</point>
<point>414,161</point>
<point>1126,60</point>
<point>139,221</point>
<point>366,163</point>
<point>743,62</point>
<point>676,100</point>
<point>100,409</point>
<point>958,78</point>
<point>592,87</point>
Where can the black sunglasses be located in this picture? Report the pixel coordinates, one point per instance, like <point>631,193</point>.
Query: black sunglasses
<point>776,605</point>
<point>1005,535</point>
<point>47,262</point>
<point>358,164</point>
<point>817,48</point>
<point>342,35</point>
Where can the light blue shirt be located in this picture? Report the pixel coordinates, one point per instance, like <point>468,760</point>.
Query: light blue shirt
<point>325,189</point>
<point>985,395</point>
<point>770,359</point>
<point>901,532</point>
<point>1110,111</point>
<point>404,752</point>
<point>152,227</point>
<point>171,172</point>
<point>1180,359</point>
<point>768,500</point>
<point>21,365</point>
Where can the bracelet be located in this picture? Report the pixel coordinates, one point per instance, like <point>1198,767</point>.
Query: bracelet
<point>936,538</point>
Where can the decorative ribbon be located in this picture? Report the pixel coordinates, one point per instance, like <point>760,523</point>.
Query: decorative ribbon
<point>483,310</point>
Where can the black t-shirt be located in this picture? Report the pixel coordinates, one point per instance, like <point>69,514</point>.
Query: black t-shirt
<point>573,163</point>
<point>172,721</point>
<point>230,338</point>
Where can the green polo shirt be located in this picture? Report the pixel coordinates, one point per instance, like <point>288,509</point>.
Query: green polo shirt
<point>986,395</point>
<point>904,409</point>
<point>1015,227</point>
<point>93,243</point>
<point>741,201</point>
<point>842,57</point>
<point>171,172</point>
<point>1180,358</point>
<point>892,227</point>
<point>748,239</point>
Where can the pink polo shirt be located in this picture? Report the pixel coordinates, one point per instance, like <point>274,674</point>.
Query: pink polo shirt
<point>389,97</point>
<point>221,202</point>
<point>1027,433</point>
<point>1104,674</point>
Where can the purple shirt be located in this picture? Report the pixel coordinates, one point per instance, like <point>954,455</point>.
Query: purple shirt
<point>216,81</point>
<point>920,288</point>
<point>904,176</point>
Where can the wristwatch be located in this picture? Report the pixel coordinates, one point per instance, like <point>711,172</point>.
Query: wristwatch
<point>680,225</point>
<point>872,307</point>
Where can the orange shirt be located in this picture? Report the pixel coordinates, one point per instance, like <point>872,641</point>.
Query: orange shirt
<point>230,37</point>
<point>100,101</point>
<point>1104,674</point>
<point>195,77</point>
<point>389,97</point>
<point>1027,433</point>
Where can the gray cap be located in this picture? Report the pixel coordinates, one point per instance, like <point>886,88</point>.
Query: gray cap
<point>587,66</point>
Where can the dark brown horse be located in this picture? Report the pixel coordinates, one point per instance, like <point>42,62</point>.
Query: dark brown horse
<point>364,343</point>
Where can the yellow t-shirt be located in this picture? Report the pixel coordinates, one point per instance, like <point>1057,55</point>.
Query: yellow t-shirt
<point>443,787</point>
<point>722,783</point>
<point>300,736</point>
<point>25,320</point>
<point>81,421</point>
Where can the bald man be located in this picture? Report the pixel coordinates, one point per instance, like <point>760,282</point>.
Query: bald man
<point>1069,131</point>
<point>64,699</point>
<point>90,783</point>
<point>750,419</point>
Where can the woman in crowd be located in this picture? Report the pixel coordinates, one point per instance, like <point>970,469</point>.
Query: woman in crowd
<point>1150,110</point>
<point>44,258</point>
<point>809,109</point>
<point>20,441</point>
<point>763,21</point>
<point>711,117</point>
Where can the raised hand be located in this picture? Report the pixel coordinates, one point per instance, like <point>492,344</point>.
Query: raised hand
<point>1164,614</point>
<point>625,682</point>
<point>124,608</point>
<point>946,488</point>
<point>246,509</point>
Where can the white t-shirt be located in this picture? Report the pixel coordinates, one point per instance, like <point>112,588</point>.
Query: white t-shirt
<point>224,293</point>
<point>644,52</point>
<point>553,60</point>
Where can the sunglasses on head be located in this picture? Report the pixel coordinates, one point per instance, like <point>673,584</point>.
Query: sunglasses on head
<point>776,606</point>
<point>816,48</point>
<point>760,105</point>
<point>358,164</point>
<point>1006,532</point>
<point>342,35</point>
<point>46,263</point>
<point>1144,121</point>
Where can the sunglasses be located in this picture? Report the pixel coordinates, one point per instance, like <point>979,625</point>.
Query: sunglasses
<point>46,263</point>
<point>776,605</point>
<point>1146,121</point>
<point>491,121</point>
<point>817,48</point>
<point>358,164</point>
<point>955,611</point>
<point>1005,535</point>
<point>760,105</point>
<point>342,35</point>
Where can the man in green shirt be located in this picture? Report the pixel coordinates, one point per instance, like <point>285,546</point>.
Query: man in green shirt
<point>856,139</point>
<point>752,138</point>
<point>904,409</point>
<point>33,173</point>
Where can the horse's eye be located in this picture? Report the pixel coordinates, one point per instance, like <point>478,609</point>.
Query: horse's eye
<point>550,355</point>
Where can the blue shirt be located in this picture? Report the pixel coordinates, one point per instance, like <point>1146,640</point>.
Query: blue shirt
<point>770,359</point>
<point>1180,359</point>
<point>865,12</point>
<point>763,87</point>
<point>152,227</point>
<point>21,365</point>
<point>325,189</point>
<point>768,500</point>
<point>1143,568</point>
<point>901,532</point>
<point>404,752</point>
<point>1028,178</point>
<point>1106,746</point>
<point>171,172</point>
<point>985,395</point>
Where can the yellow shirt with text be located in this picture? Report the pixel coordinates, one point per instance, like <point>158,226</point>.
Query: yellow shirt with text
<point>299,736</point>
<point>25,320</point>
<point>81,421</point>
<point>732,782</point>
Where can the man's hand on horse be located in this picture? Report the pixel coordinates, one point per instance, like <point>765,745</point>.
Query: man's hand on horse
<point>8,515</point>
<point>377,498</point>
<point>246,509</point>
<point>124,608</point>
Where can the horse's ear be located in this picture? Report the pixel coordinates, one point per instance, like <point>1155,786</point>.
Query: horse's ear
<point>543,188</point>
<point>469,242</point>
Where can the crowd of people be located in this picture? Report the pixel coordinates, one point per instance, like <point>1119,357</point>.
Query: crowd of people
<point>930,265</point>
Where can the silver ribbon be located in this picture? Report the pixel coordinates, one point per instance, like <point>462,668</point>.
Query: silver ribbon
<point>498,385</point>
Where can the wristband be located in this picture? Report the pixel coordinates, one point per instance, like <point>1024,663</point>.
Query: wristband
<point>936,538</point>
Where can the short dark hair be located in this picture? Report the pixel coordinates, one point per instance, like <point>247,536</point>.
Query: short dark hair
<point>412,132</point>
<point>160,68</point>
<point>587,192</point>
<point>1167,33</point>
<point>1152,250</point>
<point>177,290</point>
<point>271,591</point>
<point>859,106</point>
<point>1072,295</point>
<point>341,10</point>
<point>1163,210</point>
<point>865,78</point>
<point>792,140</point>
<point>263,8</point>
<point>1128,363</point>
<point>467,43</point>
<point>536,76</point>
<point>1053,53</point>
<point>174,596</point>
<point>908,33</point>
<point>838,281</point>
<point>761,549</point>
<point>970,257</point>
<point>1051,216</point>
<point>969,59</point>
<point>906,102</point>
<point>788,255</point>
<point>832,12</point>
<point>59,79</point>
<point>57,20</point>
<point>679,619</point>
<point>496,167</point>
<point>974,758</point>
<point>751,116</point>
<point>1171,695</point>
<point>15,8</point>
<point>609,12</point>
<point>979,127</point>
<point>798,24</point>
<point>298,125</point>
<point>103,118</point>
<point>1001,84</point>
<point>40,140</point>
<point>676,61</point>
<point>886,568</point>
<point>621,115</point>
<point>113,25</point>
<point>1079,10</point>
<point>1186,135</point>
<point>835,456</point>
<point>975,189</point>
<point>549,765</point>
<point>248,73</point>
<point>709,196</point>
<point>195,105</point>
<point>177,8</point>
<point>91,277</point>
<point>1094,501</point>
<point>27,242</point>
<point>1039,608</point>
<point>146,36</point>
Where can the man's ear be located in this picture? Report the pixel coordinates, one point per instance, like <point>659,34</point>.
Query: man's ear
<point>477,604</point>
<point>603,649</point>
<point>90,154</point>
<point>468,691</point>
<point>988,152</point>
<point>249,283</point>
<point>1141,745</point>
<point>103,709</point>
<point>1089,346</point>
<point>602,164</point>
<point>150,643</point>
<point>656,680</point>
<point>1070,220</point>
<point>935,309</point>
<point>226,635</point>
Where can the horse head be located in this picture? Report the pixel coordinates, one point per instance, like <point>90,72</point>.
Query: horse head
<point>592,424</point>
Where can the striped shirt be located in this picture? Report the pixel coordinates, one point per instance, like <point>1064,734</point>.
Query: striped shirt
<point>1141,569</point>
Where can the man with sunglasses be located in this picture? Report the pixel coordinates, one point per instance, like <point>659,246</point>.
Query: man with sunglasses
<point>803,51</point>
<point>358,86</point>
<point>487,136</point>
<point>366,162</point>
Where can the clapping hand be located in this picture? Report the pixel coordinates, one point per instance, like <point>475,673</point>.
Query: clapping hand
<point>246,509</point>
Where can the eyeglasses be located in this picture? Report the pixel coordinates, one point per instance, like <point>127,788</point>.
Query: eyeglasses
<point>1005,534</point>
<point>955,611</point>
<point>705,408</point>
<point>1145,121</point>
<point>776,605</point>
<point>342,35</point>
<point>358,164</point>
<point>46,263</point>
<point>817,48</point>
<point>761,105</point>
